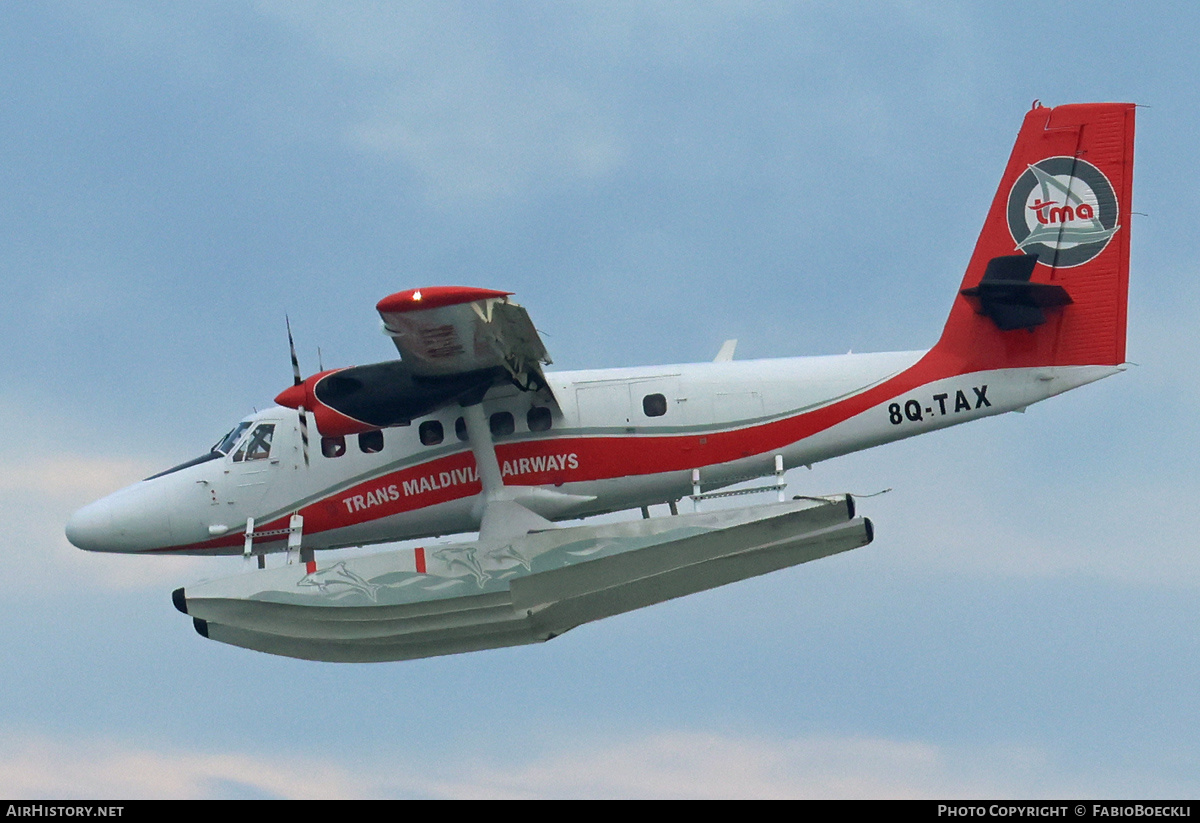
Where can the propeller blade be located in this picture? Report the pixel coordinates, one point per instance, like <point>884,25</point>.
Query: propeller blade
<point>304,433</point>
<point>296,381</point>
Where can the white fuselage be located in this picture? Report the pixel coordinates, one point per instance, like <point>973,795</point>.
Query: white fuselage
<point>619,438</point>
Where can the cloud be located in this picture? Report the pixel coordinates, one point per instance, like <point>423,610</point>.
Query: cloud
<point>478,135</point>
<point>993,500</point>
<point>70,477</point>
<point>443,98</point>
<point>38,493</point>
<point>671,764</point>
<point>40,767</point>
<point>484,105</point>
<point>691,764</point>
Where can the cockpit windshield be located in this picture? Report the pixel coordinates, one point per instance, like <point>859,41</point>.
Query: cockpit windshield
<point>225,444</point>
<point>221,448</point>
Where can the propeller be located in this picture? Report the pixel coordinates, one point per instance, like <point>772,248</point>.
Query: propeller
<point>297,381</point>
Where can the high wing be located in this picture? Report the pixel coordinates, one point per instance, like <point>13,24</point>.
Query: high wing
<point>455,344</point>
<point>449,330</point>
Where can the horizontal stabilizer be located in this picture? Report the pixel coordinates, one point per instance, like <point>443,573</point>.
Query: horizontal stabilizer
<point>1007,296</point>
<point>470,596</point>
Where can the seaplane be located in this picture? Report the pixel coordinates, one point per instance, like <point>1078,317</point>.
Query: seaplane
<point>467,433</point>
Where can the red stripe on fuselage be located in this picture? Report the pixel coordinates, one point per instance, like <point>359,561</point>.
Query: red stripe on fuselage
<point>560,459</point>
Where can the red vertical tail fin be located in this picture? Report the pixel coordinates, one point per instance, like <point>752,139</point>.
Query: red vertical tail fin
<point>1048,282</point>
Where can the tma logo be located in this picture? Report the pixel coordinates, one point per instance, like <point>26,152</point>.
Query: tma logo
<point>1064,210</point>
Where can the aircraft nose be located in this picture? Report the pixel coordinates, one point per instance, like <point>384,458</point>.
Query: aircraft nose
<point>91,527</point>
<point>131,520</point>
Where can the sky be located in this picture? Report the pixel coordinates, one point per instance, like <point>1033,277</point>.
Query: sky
<point>650,179</point>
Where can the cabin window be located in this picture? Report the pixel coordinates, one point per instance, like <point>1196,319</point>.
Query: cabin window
<point>431,432</point>
<point>257,445</point>
<point>654,405</point>
<point>333,446</point>
<point>370,442</point>
<point>538,419</point>
<point>502,424</point>
<point>460,429</point>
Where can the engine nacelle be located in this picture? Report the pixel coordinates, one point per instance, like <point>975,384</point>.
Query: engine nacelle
<point>364,398</point>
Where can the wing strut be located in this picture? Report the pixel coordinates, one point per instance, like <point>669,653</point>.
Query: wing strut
<point>501,516</point>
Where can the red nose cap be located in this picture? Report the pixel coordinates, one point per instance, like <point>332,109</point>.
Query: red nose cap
<point>293,397</point>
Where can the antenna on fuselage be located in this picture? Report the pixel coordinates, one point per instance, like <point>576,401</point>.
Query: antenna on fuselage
<point>296,381</point>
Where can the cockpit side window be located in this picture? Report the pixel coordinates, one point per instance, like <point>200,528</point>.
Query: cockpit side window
<point>257,445</point>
